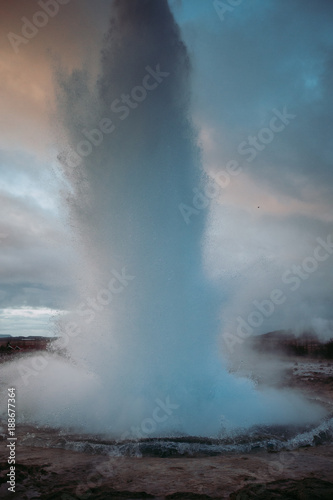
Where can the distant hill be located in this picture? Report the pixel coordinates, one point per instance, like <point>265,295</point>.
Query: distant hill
<point>305,344</point>
<point>12,345</point>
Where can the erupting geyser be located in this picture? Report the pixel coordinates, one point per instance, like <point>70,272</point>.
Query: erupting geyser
<point>143,350</point>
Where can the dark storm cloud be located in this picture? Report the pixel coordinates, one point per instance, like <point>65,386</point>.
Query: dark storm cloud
<point>268,55</point>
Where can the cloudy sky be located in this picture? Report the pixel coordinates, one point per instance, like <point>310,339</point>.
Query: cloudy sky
<point>262,73</point>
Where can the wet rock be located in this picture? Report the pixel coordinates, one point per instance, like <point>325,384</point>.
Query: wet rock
<point>285,489</point>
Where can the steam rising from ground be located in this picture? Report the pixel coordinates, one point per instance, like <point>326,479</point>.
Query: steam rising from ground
<point>143,348</point>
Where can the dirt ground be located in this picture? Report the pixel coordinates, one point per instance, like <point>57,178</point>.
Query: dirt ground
<point>49,473</point>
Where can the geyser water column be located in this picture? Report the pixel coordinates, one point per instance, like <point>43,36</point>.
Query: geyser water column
<point>155,340</point>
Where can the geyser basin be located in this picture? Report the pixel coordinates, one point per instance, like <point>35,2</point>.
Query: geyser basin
<point>143,357</point>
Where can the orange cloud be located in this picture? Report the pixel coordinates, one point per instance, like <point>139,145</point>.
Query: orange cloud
<point>27,77</point>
